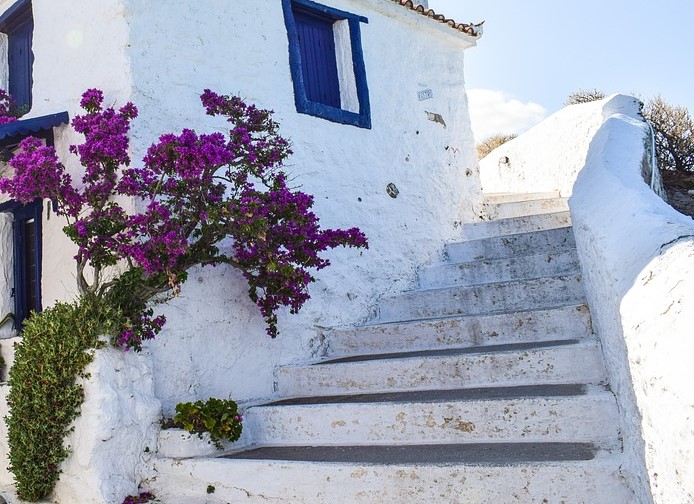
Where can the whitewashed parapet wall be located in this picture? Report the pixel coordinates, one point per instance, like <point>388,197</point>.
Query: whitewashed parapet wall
<point>637,257</point>
<point>637,254</point>
<point>163,54</point>
<point>546,158</point>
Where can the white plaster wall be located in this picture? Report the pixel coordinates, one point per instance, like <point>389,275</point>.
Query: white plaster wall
<point>6,274</point>
<point>116,434</point>
<point>75,48</point>
<point>547,157</point>
<point>637,255</point>
<point>215,344</point>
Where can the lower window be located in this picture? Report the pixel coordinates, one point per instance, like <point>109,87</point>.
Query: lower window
<point>26,241</point>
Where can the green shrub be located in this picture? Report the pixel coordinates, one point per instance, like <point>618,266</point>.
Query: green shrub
<point>219,417</point>
<point>44,398</point>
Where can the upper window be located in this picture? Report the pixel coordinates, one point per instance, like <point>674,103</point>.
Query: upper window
<point>327,62</point>
<point>17,23</point>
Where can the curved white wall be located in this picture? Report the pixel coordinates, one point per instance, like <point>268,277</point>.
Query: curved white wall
<point>637,255</point>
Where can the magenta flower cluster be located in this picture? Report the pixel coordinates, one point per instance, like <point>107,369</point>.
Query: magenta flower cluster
<point>7,108</point>
<point>194,191</point>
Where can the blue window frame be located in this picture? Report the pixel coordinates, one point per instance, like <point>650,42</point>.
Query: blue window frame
<point>18,24</point>
<point>26,219</point>
<point>26,228</point>
<point>327,62</point>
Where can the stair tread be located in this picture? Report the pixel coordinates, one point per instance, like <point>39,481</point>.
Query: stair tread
<point>505,283</point>
<point>444,352</point>
<point>444,318</point>
<point>430,396</point>
<point>435,454</point>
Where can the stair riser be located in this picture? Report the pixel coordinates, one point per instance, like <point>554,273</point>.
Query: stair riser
<point>500,270</point>
<point>516,225</point>
<point>254,482</point>
<point>511,209</point>
<point>591,418</point>
<point>554,240</point>
<point>500,297</point>
<point>578,363</point>
<point>572,322</point>
<point>493,198</point>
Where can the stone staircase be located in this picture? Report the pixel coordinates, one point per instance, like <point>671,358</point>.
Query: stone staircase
<point>484,385</point>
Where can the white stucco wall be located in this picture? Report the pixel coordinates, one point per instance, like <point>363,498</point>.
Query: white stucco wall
<point>115,436</point>
<point>547,157</point>
<point>215,344</point>
<point>638,261</point>
<point>636,255</point>
<point>162,55</point>
<point>6,274</point>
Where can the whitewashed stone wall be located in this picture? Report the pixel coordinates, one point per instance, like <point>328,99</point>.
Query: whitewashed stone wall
<point>638,260</point>
<point>162,55</point>
<point>115,436</point>
<point>6,274</point>
<point>636,254</point>
<point>546,158</point>
<point>215,343</point>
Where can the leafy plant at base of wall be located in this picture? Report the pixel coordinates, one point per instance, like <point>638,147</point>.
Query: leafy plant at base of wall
<point>44,398</point>
<point>219,417</point>
<point>139,499</point>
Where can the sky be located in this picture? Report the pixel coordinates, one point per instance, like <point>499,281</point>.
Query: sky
<point>534,53</point>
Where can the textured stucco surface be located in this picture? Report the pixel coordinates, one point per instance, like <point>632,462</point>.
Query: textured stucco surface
<point>115,436</point>
<point>162,55</point>
<point>636,257</point>
<point>6,274</point>
<point>546,158</point>
<point>215,344</point>
<point>637,254</point>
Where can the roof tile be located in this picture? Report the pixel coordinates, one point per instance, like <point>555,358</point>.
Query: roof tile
<point>474,30</point>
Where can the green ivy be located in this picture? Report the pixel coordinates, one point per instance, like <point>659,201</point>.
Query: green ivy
<point>44,398</point>
<point>219,417</point>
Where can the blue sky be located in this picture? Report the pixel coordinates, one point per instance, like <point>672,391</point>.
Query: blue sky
<point>534,53</point>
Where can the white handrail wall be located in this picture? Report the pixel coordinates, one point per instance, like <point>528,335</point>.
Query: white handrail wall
<point>637,255</point>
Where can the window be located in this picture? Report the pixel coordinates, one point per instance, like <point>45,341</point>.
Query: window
<point>26,241</point>
<point>327,63</point>
<point>17,23</point>
<point>26,237</point>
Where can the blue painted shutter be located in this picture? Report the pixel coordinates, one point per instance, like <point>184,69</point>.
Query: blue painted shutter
<point>27,260</point>
<point>20,59</point>
<point>318,63</point>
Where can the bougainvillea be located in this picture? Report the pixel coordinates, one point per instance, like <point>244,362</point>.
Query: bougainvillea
<point>7,108</point>
<point>192,191</point>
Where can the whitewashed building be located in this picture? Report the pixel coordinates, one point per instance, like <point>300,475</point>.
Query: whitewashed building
<point>387,109</point>
<point>460,371</point>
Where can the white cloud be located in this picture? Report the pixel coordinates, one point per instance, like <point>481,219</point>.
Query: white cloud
<point>493,112</point>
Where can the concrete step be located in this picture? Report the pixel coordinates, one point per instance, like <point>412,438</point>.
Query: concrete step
<point>566,322</point>
<point>510,209</point>
<point>441,474</point>
<point>556,362</point>
<point>558,413</point>
<point>515,225</point>
<point>524,295</point>
<point>535,242</point>
<point>500,270</point>
<point>516,197</point>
